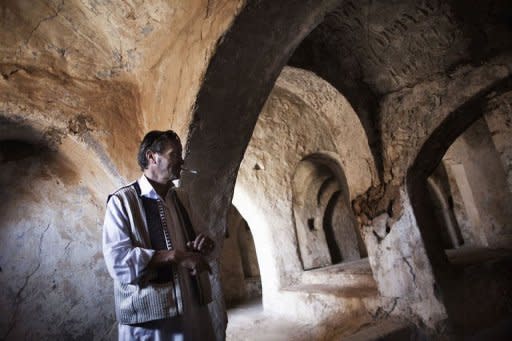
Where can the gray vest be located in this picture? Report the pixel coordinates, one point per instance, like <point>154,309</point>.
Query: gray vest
<point>150,298</point>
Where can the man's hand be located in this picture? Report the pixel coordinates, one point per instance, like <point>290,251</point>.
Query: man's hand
<point>202,244</point>
<point>190,260</point>
<point>194,262</point>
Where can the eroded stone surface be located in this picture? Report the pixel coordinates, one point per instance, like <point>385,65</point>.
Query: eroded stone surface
<point>53,274</point>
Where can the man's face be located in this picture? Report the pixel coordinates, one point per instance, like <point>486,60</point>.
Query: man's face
<point>167,165</point>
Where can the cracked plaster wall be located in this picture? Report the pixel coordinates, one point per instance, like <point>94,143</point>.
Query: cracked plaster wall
<point>401,267</point>
<point>409,117</point>
<point>53,277</point>
<point>161,48</point>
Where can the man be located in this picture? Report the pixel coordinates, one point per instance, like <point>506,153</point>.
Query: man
<point>158,265</point>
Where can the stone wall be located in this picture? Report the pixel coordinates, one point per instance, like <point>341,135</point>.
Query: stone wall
<point>499,119</point>
<point>160,48</point>
<point>53,278</point>
<point>482,182</point>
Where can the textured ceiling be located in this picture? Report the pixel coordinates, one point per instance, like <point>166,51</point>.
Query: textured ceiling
<point>388,45</point>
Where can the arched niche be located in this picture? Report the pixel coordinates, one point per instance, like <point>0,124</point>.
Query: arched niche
<point>54,281</point>
<point>327,231</point>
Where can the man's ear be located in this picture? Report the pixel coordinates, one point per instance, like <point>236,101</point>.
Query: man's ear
<point>150,156</point>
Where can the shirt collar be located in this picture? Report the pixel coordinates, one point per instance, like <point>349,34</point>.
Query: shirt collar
<point>147,190</point>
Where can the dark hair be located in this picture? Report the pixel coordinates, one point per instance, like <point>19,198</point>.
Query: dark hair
<point>155,141</point>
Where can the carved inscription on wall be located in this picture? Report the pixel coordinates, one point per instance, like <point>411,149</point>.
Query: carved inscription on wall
<point>391,46</point>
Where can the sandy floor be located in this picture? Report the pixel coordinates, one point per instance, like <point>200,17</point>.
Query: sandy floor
<point>249,322</point>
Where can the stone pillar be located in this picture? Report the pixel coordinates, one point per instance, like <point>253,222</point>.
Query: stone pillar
<point>401,267</point>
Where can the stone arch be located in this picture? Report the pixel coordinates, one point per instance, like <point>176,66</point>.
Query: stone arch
<point>251,70</point>
<point>236,84</point>
<point>318,123</point>
<point>451,277</point>
<point>430,155</point>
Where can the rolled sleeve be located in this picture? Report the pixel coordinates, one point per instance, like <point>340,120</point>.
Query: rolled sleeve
<point>125,263</point>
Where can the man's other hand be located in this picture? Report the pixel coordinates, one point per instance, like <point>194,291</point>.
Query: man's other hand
<point>202,244</point>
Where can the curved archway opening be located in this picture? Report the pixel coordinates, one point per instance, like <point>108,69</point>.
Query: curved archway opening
<point>462,169</point>
<point>307,159</point>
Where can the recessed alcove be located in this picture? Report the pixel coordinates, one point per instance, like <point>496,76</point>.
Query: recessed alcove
<point>327,231</point>
<point>298,202</point>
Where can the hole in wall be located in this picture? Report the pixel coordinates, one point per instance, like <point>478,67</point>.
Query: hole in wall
<point>14,150</point>
<point>311,224</point>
